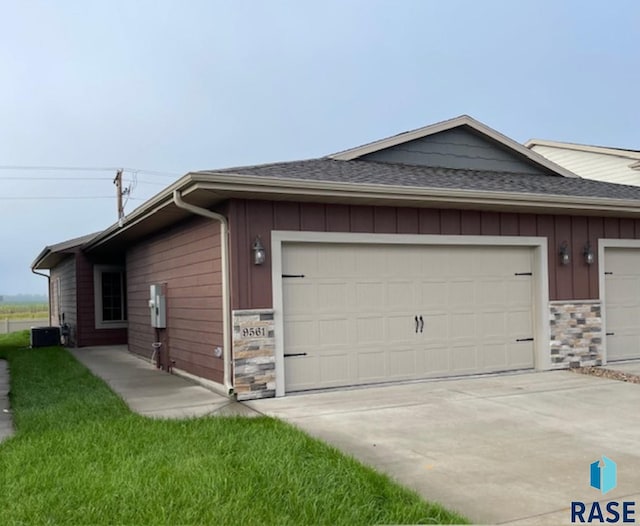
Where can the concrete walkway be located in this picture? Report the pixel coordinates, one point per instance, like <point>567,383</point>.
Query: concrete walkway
<point>154,393</point>
<point>6,422</point>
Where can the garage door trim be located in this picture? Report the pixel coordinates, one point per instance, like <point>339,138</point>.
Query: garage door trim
<point>541,293</point>
<point>603,244</point>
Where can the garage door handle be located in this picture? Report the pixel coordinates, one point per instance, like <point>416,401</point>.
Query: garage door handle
<point>421,324</point>
<point>524,340</point>
<point>416,319</point>
<point>610,333</point>
<point>295,354</point>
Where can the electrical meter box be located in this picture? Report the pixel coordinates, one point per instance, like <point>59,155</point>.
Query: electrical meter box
<point>158,306</point>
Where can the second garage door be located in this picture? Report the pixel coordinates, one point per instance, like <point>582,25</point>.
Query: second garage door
<point>622,284</point>
<point>360,314</point>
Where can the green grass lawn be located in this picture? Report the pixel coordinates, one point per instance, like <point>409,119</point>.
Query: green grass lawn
<point>81,457</point>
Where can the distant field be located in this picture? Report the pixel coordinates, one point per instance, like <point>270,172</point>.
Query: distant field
<point>23,311</point>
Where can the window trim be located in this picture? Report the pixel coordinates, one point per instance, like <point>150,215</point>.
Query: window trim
<point>100,323</point>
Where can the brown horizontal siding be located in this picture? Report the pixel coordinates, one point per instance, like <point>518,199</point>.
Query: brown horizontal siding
<point>251,284</point>
<point>187,259</point>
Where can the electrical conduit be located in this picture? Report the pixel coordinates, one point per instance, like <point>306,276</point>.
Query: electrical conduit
<point>224,256</point>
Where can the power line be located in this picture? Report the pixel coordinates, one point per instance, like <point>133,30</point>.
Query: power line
<point>29,178</point>
<point>89,169</point>
<point>51,198</point>
<point>97,179</point>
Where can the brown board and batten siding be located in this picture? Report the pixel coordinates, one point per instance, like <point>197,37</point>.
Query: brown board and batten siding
<point>187,259</point>
<point>63,299</point>
<point>251,284</point>
<point>87,333</point>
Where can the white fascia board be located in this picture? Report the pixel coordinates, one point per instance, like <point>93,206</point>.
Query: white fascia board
<point>146,209</point>
<point>266,186</point>
<point>463,120</point>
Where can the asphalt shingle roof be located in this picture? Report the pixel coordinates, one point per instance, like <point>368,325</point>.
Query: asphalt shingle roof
<point>379,173</point>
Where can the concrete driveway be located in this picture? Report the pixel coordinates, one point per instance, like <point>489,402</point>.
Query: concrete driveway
<point>498,449</point>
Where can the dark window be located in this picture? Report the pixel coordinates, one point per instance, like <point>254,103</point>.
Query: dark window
<point>114,301</point>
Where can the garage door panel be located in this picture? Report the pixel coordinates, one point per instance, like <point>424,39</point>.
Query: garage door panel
<point>300,333</point>
<point>622,303</point>
<point>493,323</point>
<point>301,297</point>
<point>433,264</point>
<point>371,262</point>
<point>437,361</point>
<point>331,296</point>
<point>333,332</point>
<point>462,326</point>
<point>372,366</point>
<point>464,359</point>
<point>403,363</point>
<point>357,320</point>
<point>433,294</point>
<point>304,370</point>
<point>519,292</point>
<point>492,292</point>
<point>459,263</point>
<point>400,294</point>
<point>404,263</point>
<point>335,368</point>
<point>461,293</point>
<point>623,289</point>
<point>519,324</point>
<point>493,355</point>
<point>298,257</point>
<point>370,330</point>
<point>370,295</point>
<point>520,355</point>
<point>437,328</point>
<point>623,346</point>
<point>400,329</point>
<point>622,317</point>
<point>336,261</point>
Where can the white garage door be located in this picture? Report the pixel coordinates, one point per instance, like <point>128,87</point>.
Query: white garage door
<point>359,314</point>
<point>622,297</point>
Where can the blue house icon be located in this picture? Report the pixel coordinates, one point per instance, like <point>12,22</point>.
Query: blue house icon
<point>604,474</point>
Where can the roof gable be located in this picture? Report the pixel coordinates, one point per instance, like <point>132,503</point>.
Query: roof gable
<point>460,143</point>
<point>53,254</point>
<point>458,148</point>
<point>613,165</point>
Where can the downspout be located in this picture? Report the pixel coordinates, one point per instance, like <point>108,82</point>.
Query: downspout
<point>224,256</point>
<point>48,289</point>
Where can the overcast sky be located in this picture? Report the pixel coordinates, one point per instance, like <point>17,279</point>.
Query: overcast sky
<point>174,86</point>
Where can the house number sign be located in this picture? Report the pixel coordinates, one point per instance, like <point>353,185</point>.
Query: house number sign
<point>254,332</point>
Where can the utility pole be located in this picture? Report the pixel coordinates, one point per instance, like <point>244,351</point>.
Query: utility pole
<point>118,182</point>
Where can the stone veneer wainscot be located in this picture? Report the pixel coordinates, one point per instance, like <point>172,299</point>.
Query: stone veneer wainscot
<point>254,362</point>
<point>576,334</point>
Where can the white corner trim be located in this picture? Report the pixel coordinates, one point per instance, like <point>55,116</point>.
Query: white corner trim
<point>542,359</point>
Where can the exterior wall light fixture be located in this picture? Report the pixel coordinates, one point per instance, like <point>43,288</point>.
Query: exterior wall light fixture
<point>565,258</point>
<point>589,257</point>
<point>259,253</point>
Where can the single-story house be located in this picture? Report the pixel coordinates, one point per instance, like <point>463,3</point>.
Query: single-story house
<point>612,165</point>
<point>448,250</point>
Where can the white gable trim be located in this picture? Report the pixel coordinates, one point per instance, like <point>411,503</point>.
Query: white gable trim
<point>463,120</point>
